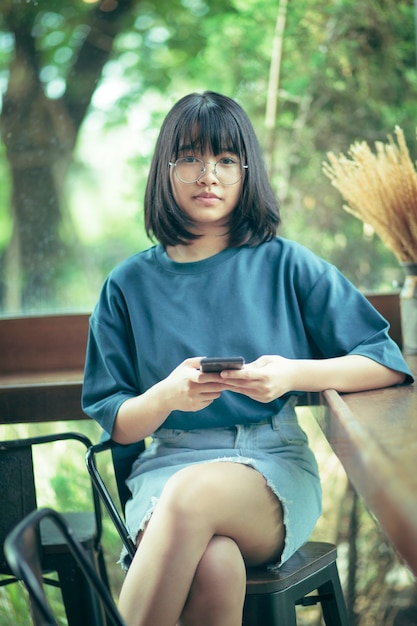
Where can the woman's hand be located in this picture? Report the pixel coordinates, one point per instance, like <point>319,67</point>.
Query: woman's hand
<point>264,380</point>
<point>185,389</point>
<point>188,389</point>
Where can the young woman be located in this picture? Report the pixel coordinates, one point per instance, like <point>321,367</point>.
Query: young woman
<point>229,479</point>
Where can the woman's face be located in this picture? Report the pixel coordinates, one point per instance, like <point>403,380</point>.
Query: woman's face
<point>207,201</point>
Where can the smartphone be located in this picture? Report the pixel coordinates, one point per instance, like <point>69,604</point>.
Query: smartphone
<point>220,363</point>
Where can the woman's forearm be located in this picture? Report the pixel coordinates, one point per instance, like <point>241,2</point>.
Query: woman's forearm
<point>264,380</point>
<point>138,417</point>
<point>185,389</point>
<point>346,374</point>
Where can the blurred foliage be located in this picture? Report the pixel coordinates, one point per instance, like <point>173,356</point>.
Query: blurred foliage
<point>338,58</point>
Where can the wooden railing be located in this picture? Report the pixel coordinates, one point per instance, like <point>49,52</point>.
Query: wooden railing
<point>41,368</point>
<point>42,361</point>
<point>42,344</point>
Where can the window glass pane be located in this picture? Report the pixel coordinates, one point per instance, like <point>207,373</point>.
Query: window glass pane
<point>84,86</point>
<point>72,167</point>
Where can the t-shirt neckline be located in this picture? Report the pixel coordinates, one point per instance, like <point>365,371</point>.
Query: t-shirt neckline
<point>193,267</point>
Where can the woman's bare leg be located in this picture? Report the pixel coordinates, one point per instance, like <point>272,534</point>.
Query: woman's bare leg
<point>200,502</point>
<point>218,589</point>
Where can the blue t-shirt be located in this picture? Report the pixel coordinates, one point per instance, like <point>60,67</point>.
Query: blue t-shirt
<point>276,298</point>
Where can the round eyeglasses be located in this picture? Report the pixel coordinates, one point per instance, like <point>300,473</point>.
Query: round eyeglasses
<point>189,169</point>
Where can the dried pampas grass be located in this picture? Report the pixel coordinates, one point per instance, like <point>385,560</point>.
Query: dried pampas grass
<point>381,190</point>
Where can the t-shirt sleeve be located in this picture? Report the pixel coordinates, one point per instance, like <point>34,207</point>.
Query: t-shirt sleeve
<point>340,320</point>
<point>110,373</point>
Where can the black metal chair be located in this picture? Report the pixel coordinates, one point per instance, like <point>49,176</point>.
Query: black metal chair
<point>23,550</point>
<point>309,577</point>
<point>18,489</point>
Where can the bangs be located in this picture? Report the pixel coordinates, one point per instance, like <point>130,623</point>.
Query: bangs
<point>208,129</point>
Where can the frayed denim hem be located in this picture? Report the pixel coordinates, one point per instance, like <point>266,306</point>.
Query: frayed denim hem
<point>124,560</point>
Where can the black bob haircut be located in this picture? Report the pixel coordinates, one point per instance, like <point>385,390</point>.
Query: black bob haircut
<point>210,122</point>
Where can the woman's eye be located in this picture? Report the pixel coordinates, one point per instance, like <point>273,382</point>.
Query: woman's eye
<point>229,161</point>
<point>189,159</point>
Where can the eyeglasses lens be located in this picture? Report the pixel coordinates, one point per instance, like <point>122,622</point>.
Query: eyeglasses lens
<point>190,169</point>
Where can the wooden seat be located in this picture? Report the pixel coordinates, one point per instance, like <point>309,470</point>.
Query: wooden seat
<point>272,597</point>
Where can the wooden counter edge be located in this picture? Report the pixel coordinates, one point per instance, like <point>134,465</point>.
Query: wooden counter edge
<point>386,490</point>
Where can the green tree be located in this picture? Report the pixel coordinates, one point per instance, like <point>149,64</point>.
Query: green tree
<point>337,60</point>
<point>56,54</point>
<point>71,43</point>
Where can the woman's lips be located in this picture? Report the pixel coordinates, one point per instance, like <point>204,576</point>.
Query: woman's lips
<point>207,195</point>
<point>207,199</point>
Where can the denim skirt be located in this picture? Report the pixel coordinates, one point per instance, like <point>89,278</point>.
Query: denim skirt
<point>277,448</point>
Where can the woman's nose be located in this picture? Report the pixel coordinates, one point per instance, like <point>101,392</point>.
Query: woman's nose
<point>209,175</point>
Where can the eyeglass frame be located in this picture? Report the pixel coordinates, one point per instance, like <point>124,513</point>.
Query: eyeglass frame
<point>204,170</point>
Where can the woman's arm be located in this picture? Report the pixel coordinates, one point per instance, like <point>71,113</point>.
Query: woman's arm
<point>264,380</point>
<point>185,389</point>
<point>269,377</point>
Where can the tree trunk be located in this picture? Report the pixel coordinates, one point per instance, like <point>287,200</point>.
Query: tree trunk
<point>32,147</point>
<point>274,80</point>
<point>40,135</point>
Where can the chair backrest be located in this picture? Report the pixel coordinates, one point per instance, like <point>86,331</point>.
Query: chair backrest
<point>22,550</point>
<point>17,490</point>
<point>123,459</point>
<point>17,482</point>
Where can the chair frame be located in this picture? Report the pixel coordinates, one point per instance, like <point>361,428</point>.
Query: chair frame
<point>22,549</point>
<point>81,608</point>
<point>123,458</point>
<point>271,597</point>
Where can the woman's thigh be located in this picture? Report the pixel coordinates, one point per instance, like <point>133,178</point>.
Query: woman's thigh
<point>231,499</point>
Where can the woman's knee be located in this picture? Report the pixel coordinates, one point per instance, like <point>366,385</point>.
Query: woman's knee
<point>222,565</point>
<point>219,585</point>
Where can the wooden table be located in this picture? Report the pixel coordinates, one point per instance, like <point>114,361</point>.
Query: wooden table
<point>374,434</point>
